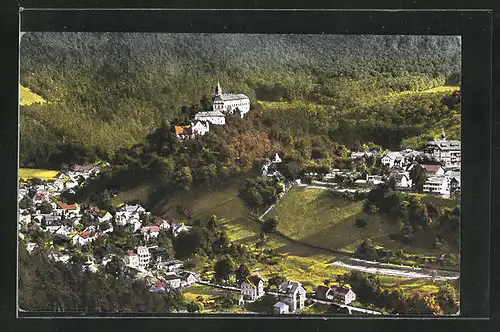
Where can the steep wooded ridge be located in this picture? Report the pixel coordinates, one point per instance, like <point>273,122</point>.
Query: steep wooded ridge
<point>107,91</point>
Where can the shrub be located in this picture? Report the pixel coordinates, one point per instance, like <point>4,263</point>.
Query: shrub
<point>360,222</point>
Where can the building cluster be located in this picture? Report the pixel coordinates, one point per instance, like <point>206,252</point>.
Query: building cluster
<point>223,104</point>
<point>49,214</point>
<point>162,275</point>
<point>443,176</point>
<point>291,295</point>
<point>440,160</point>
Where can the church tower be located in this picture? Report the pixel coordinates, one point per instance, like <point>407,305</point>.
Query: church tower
<point>217,90</point>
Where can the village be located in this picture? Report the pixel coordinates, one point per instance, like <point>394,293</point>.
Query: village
<point>41,208</point>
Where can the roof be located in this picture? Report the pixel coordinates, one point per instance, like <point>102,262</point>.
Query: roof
<point>65,206</point>
<point>289,287</point>
<point>322,290</point>
<point>340,290</point>
<point>208,114</point>
<point>254,280</point>
<point>392,155</point>
<point>431,168</point>
<point>85,234</point>
<point>232,96</point>
<point>201,123</point>
<point>133,208</point>
<point>183,130</point>
<point>171,277</point>
<point>151,228</point>
<point>444,144</point>
<point>51,217</point>
<point>84,169</point>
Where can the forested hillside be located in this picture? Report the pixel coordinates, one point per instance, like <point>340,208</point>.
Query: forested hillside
<point>107,91</point>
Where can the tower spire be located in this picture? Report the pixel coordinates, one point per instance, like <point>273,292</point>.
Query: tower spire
<point>218,90</point>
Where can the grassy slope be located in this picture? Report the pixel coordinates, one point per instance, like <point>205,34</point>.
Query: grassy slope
<point>316,217</point>
<point>27,97</point>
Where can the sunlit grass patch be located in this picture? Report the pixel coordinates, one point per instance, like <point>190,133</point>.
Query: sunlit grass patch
<point>27,97</point>
<point>43,174</point>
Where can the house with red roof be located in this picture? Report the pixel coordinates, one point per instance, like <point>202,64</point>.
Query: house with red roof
<point>433,170</point>
<point>150,231</point>
<point>131,259</point>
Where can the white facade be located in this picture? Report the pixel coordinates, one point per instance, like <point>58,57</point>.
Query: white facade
<point>293,294</point>
<point>437,185</point>
<point>144,256</point>
<point>446,151</point>
<point>173,281</point>
<point>228,102</point>
<point>214,117</point>
<point>132,260</point>
<point>200,129</point>
<point>281,308</point>
<point>252,288</point>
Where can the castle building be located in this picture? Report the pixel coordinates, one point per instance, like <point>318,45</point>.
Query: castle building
<point>228,103</point>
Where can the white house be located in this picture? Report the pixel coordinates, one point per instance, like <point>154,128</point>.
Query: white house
<point>252,288</point>
<point>391,159</point>
<point>281,308</point>
<point>150,232</point>
<point>105,217</point>
<point>30,246</point>
<point>293,294</point>
<point>81,240</point>
<point>172,280</point>
<point>403,181</point>
<point>277,159</point>
<point>170,266</point>
<point>56,257</point>
<point>229,102</point>
<point>340,294</point>
<point>144,256</point>
<point>132,259</point>
<point>133,208</point>
<point>343,294</point>
<point>179,229</point>
<point>200,128</point>
<point>25,218</point>
<point>187,278</point>
<point>214,117</point>
<point>68,208</point>
<point>439,185</point>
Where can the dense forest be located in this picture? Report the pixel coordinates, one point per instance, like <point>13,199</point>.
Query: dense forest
<point>108,91</point>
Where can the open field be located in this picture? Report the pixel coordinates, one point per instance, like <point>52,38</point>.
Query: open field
<point>43,174</point>
<point>319,217</point>
<point>207,296</point>
<point>27,97</point>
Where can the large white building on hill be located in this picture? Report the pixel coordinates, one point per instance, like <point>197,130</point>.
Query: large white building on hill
<point>227,103</point>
